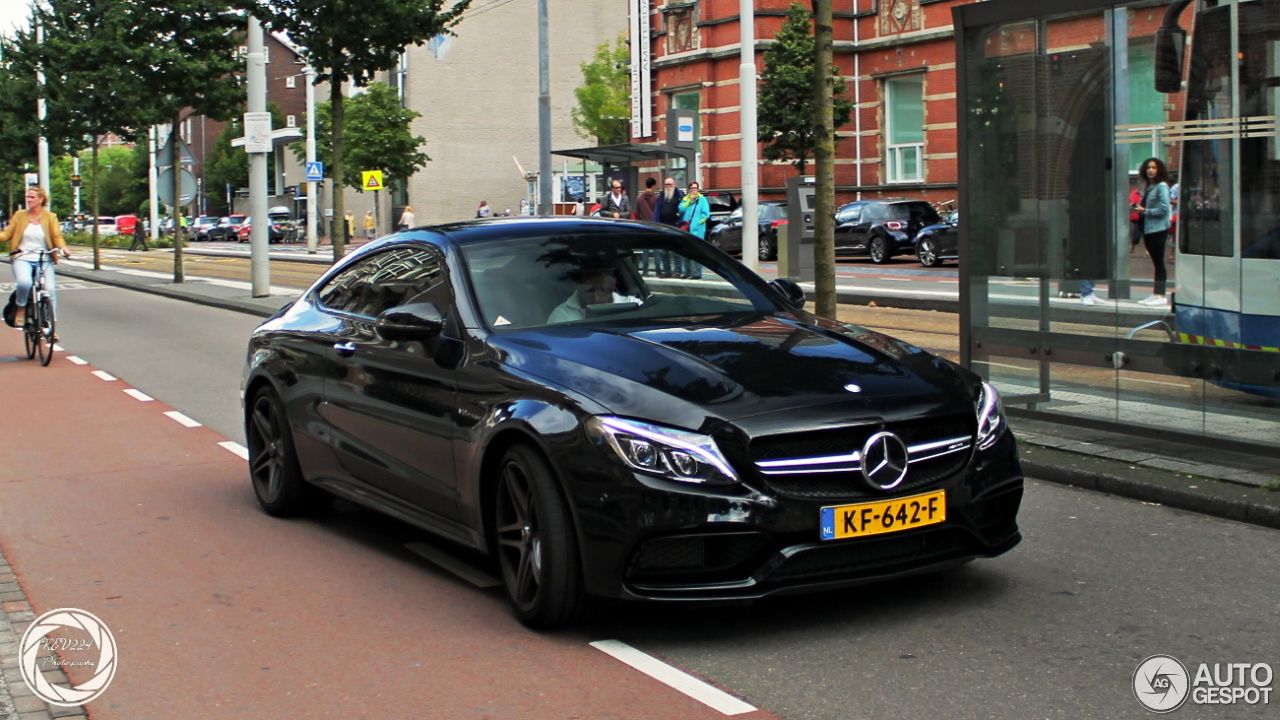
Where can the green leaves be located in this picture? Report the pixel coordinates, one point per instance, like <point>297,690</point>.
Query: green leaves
<point>787,113</point>
<point>604,98</point>
<point>377,137</point>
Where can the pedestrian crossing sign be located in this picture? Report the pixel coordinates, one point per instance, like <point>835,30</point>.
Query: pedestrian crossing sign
<point>315,171</point>
<point>371,179</point>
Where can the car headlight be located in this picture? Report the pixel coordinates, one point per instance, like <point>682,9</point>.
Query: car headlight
<point>663,451</point>
<point>991,422</point>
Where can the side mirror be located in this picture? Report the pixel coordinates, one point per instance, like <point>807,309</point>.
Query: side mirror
<point>788,288</point>
<point>420,322</point>
<point>1171,41</point>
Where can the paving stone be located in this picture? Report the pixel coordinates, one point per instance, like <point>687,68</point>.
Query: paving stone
<point>1124,455</point>
<point>29,704</point>
<point>1172,465</point>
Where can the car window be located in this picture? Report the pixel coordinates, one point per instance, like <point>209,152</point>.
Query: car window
<point>606,278</point>
<point>849,214</point>
<point>388,279</point>
<point>918,211</point>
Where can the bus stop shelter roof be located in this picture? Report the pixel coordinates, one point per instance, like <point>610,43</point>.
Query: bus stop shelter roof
<point>624,153</point>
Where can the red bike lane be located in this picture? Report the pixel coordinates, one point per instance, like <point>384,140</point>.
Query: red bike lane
<point>110,506</point>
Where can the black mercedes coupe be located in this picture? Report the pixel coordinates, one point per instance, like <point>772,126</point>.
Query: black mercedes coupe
<point>540,389</point>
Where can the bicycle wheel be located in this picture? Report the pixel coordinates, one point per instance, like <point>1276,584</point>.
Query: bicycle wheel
<point>44,330</point>
<point>29,331</point>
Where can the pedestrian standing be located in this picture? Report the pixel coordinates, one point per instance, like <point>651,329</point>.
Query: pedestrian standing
<point>694,213</point>
<point>351,224</point>
<point>484,211</point>
<point>1156,212</point>
<point>616,204</point>
<point>370,226</point>
<point>406,218</point>
<point>667,211</point>
<point>645,202</point>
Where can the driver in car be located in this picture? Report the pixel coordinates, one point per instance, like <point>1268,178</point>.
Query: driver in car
<point>592,287</point>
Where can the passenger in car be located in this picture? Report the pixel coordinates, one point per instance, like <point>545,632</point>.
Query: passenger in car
<point>591,287</point>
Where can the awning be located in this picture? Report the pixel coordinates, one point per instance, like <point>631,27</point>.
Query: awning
<point>626,153</point>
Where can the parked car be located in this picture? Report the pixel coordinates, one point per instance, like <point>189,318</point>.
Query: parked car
<point>201,227</point>
<point>882,228</point>
<point>277,231</point>
<point>227,228</point>
<point>126,224</point>
<point>516,386</point>
<point>772,218</point>
<point>107,226</point>
<point>940,241</point>
<point>721,203</point>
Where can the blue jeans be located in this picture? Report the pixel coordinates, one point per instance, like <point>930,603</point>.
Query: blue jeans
<point>24,270</point>
<point>1086,288</point>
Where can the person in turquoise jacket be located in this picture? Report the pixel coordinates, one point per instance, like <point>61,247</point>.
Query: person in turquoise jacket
<point>1157,210</point>
<point>695,211</point>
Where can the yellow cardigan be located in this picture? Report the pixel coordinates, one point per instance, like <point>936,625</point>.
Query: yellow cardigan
<point>18,225</point>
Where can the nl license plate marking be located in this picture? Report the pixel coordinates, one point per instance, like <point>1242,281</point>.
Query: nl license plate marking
<point>886,516</point>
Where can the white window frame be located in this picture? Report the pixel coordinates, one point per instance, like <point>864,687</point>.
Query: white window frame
<point>897,155</point>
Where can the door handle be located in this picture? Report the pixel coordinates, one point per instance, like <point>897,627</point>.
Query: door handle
<point>345,349</point>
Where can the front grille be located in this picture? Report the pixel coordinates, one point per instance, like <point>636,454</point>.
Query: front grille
<point>712,557</point>
<point>824,464</point>
<point>870,557</point>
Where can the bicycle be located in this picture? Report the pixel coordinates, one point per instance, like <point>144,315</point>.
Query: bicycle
<point>38,327</point>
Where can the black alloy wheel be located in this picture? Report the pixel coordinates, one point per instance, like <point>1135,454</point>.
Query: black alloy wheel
<point>927,252</point>
<point>44,330</point>
<point>766,248</point>
<point>536,545</point>
<point>273,462</point>
<point>879,250</point>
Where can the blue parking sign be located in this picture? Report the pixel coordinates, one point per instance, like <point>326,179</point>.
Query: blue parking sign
<point>315,171</point>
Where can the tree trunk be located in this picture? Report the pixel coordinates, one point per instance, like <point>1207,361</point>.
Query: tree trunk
<point>335,157</point>
<point>824,154</point>
<point>176,206</point>
<point>93,201</point>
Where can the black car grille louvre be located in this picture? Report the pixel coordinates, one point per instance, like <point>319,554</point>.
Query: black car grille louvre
<point>844,560</point>
<point>710,558</point>
<point>840,441</point>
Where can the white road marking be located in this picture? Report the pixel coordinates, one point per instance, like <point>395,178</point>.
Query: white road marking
<point>236,449</point>
<point>138,395</point>
<point>704,693</point>
<point>75,360</point>
<point>104,375</point>
<point>453,565</point>
<point>181,419</point>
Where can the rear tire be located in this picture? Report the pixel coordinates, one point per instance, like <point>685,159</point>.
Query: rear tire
<point>273,462</point>
<point>927,253</point>
<point>28,330</point>
<point>537,548</point>
<point>766,248</point>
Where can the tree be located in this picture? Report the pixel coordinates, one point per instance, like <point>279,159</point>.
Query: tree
<point>604,98</point>
<point>824,155</point>
<point>788,117</point>
<point>18,127</point>
<point>377,137</point>
<point>341,47</point>
<point>226,166</point>
<point>181,60</point>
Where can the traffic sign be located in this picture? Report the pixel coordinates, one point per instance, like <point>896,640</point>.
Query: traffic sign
<point>315,171</point>
<point>164,186</point>
<point>371,179</point>
<point>75,181</point>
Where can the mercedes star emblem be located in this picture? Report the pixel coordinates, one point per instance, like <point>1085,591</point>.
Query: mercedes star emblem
<point>884,461</point>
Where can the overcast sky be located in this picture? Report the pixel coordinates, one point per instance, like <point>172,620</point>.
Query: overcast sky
<point>13,13</point>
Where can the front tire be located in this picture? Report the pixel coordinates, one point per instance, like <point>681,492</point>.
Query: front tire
<point>879,250</point>
<point>273,462</point>
<point>536,545</point>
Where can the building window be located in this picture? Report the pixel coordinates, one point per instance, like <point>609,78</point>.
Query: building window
<point>291,121</point>
<point>682,33</point>
<point>904,129</point>
<point>291,82</point>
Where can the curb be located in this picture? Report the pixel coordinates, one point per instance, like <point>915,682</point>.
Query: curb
<point>1184,492</point>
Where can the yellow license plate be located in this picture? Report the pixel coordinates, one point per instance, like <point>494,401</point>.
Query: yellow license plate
<point>886,516</point>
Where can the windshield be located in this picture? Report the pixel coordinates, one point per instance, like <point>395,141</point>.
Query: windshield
<point>614,277</point>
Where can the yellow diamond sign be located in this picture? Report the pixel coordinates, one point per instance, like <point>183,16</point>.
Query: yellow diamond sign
<point>371,179</point>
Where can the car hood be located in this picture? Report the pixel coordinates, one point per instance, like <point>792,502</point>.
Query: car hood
<point>755,366</point>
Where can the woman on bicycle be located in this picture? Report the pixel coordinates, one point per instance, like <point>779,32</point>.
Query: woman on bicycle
<point>29,231</point>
